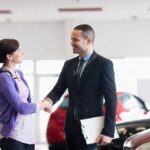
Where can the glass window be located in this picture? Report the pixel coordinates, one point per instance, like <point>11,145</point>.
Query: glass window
<point>42,75</point>
<point>30,81</point>
<point>45,85</point>
<point>27,66</point>
<point>131,102</point>
<point>124,98</point>
<point>47,72</point>
<point>49,66</point>
<point>129,70</point>
<point>65,102</point>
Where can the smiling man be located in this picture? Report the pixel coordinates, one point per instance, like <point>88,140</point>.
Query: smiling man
<point>89,78</point>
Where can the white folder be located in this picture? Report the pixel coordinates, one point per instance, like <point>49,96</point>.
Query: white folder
<point>92,127</point>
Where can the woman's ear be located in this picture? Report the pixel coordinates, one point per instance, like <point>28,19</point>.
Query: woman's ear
<point>8,57</point>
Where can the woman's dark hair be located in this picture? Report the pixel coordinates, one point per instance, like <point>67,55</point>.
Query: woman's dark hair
<point>7,46</point>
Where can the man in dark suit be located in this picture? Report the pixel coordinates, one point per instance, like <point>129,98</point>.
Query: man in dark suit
<point>89,79</point>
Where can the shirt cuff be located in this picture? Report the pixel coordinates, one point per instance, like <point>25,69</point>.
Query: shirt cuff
<point>48,99</point>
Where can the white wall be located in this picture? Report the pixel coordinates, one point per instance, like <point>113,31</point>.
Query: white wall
<point>119,38</point>
<point>51,40</point>
<point>144,89</point>
<point>38,40</point>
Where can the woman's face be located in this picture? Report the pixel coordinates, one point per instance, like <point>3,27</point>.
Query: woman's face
<point>16,57</point>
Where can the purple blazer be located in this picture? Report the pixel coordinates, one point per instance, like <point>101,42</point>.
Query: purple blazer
<point>11,104</point>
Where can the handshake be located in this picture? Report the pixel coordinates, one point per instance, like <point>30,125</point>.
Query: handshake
<point>46,104</point>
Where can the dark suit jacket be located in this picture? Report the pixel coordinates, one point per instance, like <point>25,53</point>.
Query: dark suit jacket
<point>97,82</point>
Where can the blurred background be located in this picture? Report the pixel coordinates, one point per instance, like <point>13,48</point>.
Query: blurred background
<point>43,29</point>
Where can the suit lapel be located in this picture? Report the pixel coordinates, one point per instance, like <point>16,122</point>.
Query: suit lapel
<point>87,68</point>
<point>74,79</point>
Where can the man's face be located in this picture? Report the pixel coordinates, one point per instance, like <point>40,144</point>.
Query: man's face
<point>78,42</point>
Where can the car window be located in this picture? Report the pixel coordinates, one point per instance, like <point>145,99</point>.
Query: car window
<point>131,102</point>
<point>64,103</point>
<point>124,98</point>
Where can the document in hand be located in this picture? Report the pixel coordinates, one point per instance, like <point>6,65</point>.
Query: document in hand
<point>91,128</point>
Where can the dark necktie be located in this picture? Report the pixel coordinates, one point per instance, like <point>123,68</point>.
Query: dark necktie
<point>79,69</point>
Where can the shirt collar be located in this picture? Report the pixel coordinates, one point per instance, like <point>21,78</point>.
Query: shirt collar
<point>87,56</point>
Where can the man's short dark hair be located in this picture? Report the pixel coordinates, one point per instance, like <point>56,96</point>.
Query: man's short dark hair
<point>87,30</point>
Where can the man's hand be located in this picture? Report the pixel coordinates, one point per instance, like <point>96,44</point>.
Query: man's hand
<point>46,104</point>
<point>103,139</point>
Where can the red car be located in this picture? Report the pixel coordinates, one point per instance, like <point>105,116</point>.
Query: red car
<point>55,128</point>
<point>127,106</point>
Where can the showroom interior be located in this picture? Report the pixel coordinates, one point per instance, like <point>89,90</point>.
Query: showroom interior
<point>43,28</point>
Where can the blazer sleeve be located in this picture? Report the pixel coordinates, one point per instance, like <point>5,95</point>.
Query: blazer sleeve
<point>109,92</point>
<point>11,94</point>
<point>60,86</point>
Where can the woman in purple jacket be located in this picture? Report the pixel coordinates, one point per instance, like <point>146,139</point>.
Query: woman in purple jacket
<point>17,130</point>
